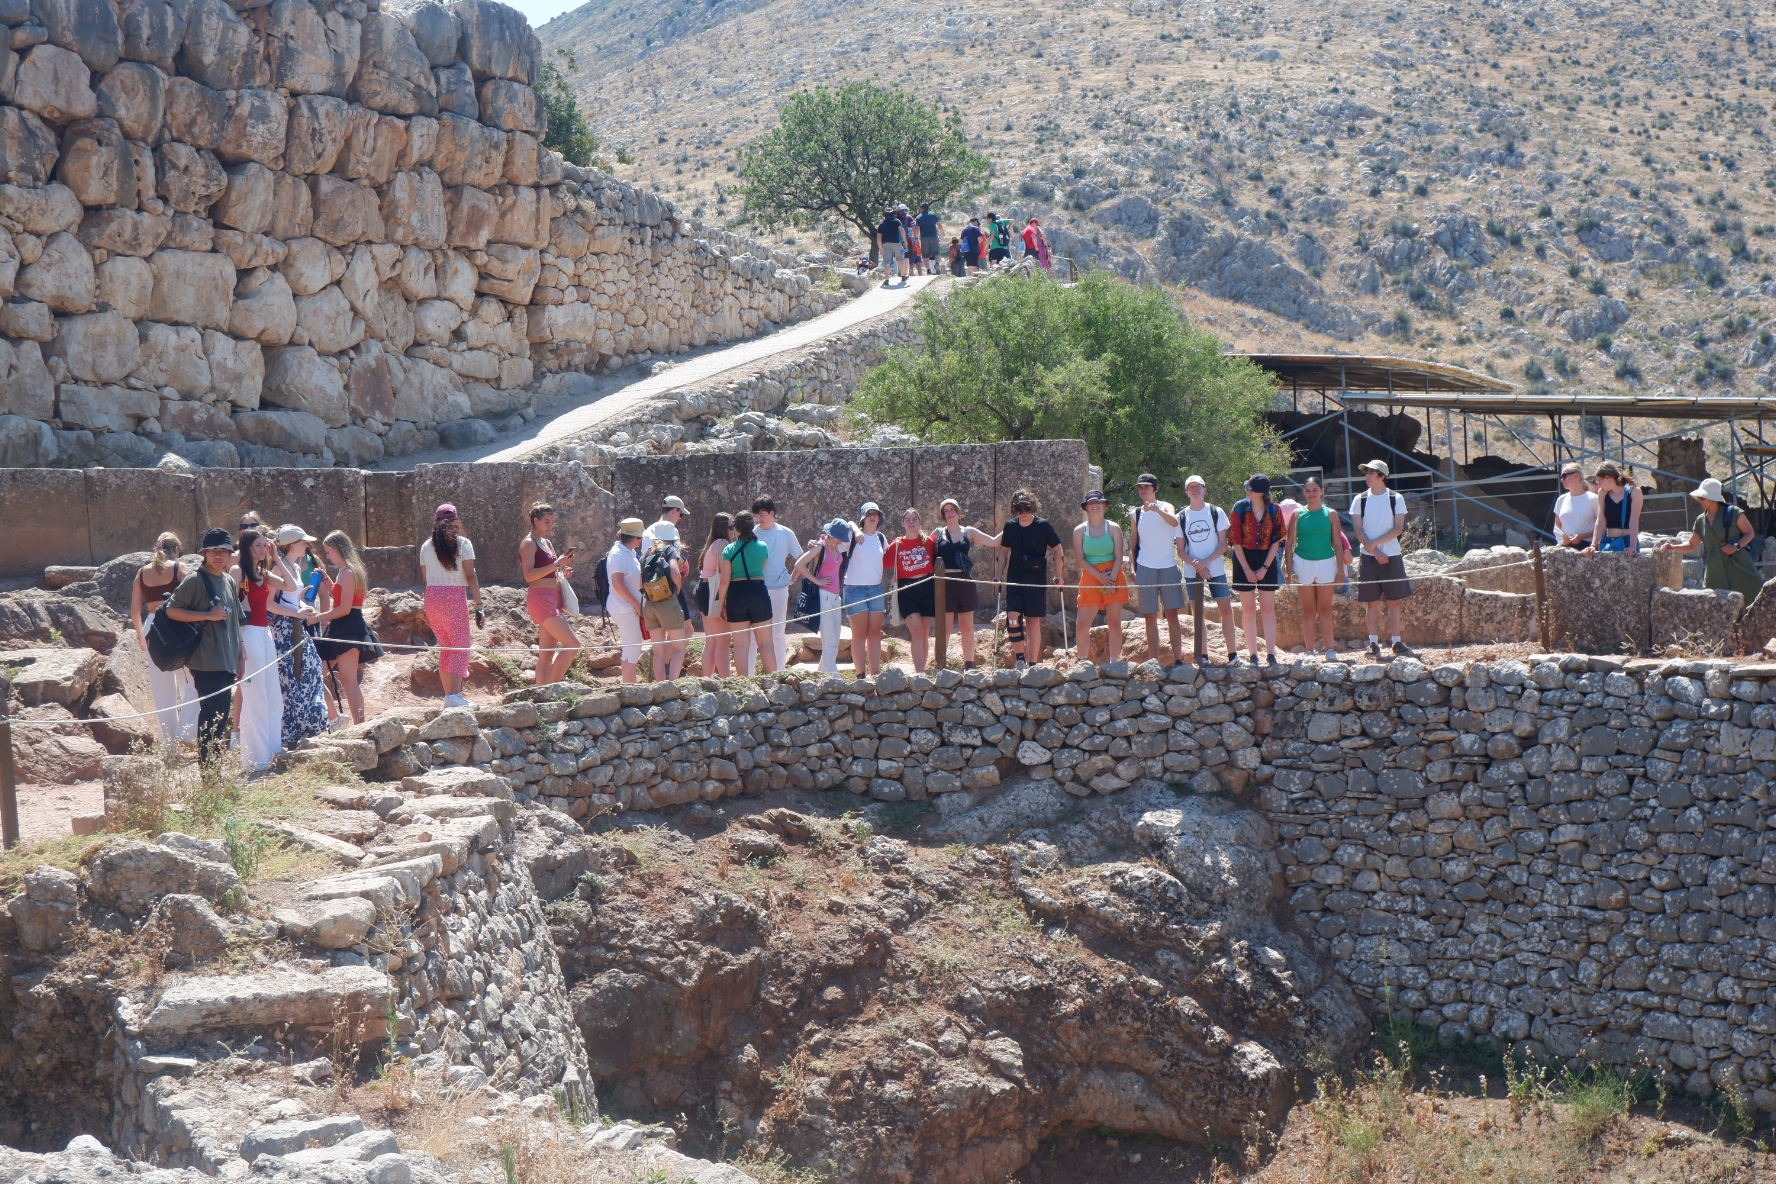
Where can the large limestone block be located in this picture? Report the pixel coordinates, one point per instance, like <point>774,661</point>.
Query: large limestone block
<point>345,213</point>
<point>469,153</point>
<point>173,356</point>
<point>249,199</point>
<point>26,443</point>
<point>436,321</point>
<point>189,179</point>
<point>373,148</point>
<point>97,347</point>
<point>430,394</point>
<point>1432,615</point>
<point>523,157</point>
<point>40,209</point>
<point>255,128</point>
<point>237,368</point>
<point>104,408</point>
<point>26,320</point>
<point>153,30</point>
<point>264,309</point>
<point>417,274</point>
<point>125,232</point>
<point>394,75</point>
<point>473,214</point>
<point>62,277</point>
<point>1699,620</point>
<point>292,208</point>
<point>87,27</point>
<point>362,279</point>
<point>292,431</point>
<point>25,386</point>
<point>127,285</point>
<point>422,143</point>
<point>435,31</point>
<point>219,49</point>
<point>298,378</point>
<point>54,83</point>
<point>310,52</point>
<point>456,279</point>
<point>190,1007</point>
<point>497,41</point>
<point>1602,604</point>
<point>413,209</point>
<point>27,147</point>
<point>194,112</point>
<point>192,288</point>
<point>370,383</point>
<point>523,216</point>
<point>97,164</point>
<point>247,250</point>
<point>510,272</point>
<point>134,94</point>
<point>311,265</point>
<point>455,86</point>
<point>327,322</point>
<point>510,106</point>
<point>1489,616</point>
<point>318,125</point>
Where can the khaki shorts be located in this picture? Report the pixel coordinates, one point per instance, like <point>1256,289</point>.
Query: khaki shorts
<point>663,615</point>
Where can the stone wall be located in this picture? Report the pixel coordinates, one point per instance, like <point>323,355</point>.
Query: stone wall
<point>310,228</point>
<point>68,516</point>
<point>1571,854</point>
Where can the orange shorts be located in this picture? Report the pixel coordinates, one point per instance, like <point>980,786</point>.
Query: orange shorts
<point>1094,597</point>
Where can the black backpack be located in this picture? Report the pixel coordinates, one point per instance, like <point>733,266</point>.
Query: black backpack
<point>1729,515</point>
<point>171,643</point>
<point>601,581</point>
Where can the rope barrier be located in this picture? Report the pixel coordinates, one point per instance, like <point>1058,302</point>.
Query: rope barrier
<point>651,643</point>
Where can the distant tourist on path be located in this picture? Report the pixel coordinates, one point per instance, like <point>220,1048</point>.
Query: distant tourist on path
<point>930,238</point>
<point>1257,536</point>
<point>1036,245</point>
<point>1032,563</point>
<point>1103,584</point>
<point>746,600</point>
<point>957,266</point>
<point>955,543</point>
<point>544,572</point>
<point>447,562</point>
<point>1154,557</point>
<point>998,238</point>
<point>1378,519</point>
<point>973,240</point>
<point>866,605</point>
<point>1204,526</point>
<point>1618,513</point>
<point>207,597</point>
<point>175,699</point>
<point>623,604</point>
<point>1575,510</point>
<point>1723,532</point>
<point>1318,560</point>
<point>890,249</point>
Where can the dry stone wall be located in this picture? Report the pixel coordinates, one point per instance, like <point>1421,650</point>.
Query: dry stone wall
<point>252,231</point>
<point>1573,855</point>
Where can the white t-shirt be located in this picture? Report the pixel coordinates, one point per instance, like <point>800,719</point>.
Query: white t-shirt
<point>1378,511</point>
<point>622,560</point>
<point>1202,534</point>
<point>1157,538</point>
<point>866,568</point>
<point>785,549</point>
<point>1575,514</point>
<point>435,574</point>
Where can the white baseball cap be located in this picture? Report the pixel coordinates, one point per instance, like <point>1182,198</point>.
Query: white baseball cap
<point>1195,479</point>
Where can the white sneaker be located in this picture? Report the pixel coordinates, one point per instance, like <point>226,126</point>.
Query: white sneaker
<point>457,700</point>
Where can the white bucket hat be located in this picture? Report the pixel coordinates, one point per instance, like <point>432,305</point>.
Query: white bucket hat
<point>1710,489</point>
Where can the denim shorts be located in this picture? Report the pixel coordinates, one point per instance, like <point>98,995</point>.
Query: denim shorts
<point>1218,588</point>
<point>865,598</point>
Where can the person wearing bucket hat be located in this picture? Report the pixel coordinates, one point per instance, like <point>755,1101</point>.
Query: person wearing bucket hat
<point>1103,582</point>
<point>1378,519</point>
<point>207,598</point>
<point>1619,503</point>
<point>1723,533</point>
<point>447,561</point>
<point>623,604</point>
<point>823,565</point>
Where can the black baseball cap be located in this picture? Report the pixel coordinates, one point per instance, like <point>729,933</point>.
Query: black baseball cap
<point>216,538</point>
<point>1147,479</point>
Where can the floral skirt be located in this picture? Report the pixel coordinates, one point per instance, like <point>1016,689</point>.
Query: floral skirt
<point>305,702</point>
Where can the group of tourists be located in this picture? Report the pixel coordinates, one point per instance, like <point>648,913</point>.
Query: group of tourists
<point>910,244</point>
<point>1601,513</point>
<point>280,641</point>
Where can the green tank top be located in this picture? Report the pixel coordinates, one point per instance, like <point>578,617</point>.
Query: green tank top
<point>1099,548</point>
<point>746,559</point>
<point>1313,534</point>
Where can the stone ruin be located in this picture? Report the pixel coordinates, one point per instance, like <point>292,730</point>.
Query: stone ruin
<point>312,231</point>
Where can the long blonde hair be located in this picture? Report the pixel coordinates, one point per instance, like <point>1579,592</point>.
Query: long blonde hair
<point>348,553</point>
<point>160,560</point>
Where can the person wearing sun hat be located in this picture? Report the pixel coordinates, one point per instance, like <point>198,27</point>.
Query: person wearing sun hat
<point>622,564</point>
<point>1103,582</point>
<point>207,598</point>
<point>1723,532</point>
<point>1378,519</point>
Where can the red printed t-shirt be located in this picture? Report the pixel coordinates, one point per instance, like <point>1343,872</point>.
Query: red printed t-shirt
<point>912,558</point>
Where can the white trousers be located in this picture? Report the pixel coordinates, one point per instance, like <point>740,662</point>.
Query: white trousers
<point>779,620</point>
<point>832,614</point>
<point>261,702</point>
<point>175,702</point>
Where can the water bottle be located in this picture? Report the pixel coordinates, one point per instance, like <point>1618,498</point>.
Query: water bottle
<point>314,587</point>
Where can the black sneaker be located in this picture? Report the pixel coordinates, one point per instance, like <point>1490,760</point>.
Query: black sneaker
<point>1271,660</point>
<point>1023,663</point>
<point>1375,649</point>
<point>1403,650</point>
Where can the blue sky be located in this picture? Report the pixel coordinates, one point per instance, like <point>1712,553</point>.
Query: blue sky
<point>541,11</point>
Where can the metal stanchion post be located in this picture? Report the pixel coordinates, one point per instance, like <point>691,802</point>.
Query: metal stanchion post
<point>941,649</point>
<point>9,811</point>
<point>1541,596</point>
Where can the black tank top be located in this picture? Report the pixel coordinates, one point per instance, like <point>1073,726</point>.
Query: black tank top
<point>954,552</point>
<point>1617,513</point>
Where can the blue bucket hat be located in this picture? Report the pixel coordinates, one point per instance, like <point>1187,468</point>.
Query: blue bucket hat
<point>839,529</point>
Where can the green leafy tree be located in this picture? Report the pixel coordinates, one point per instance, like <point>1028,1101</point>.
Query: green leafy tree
<point>853,151</point>
<point>569,132</point>
<point>1104,361</point>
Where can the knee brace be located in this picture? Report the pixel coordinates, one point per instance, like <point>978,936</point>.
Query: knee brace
<point>1014,628</point>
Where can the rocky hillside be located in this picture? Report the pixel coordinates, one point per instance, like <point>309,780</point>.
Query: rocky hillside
<point>1572,196</point>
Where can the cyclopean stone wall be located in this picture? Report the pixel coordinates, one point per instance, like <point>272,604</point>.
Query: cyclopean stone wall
<point>1571,854</point>
<point>255,231</point>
